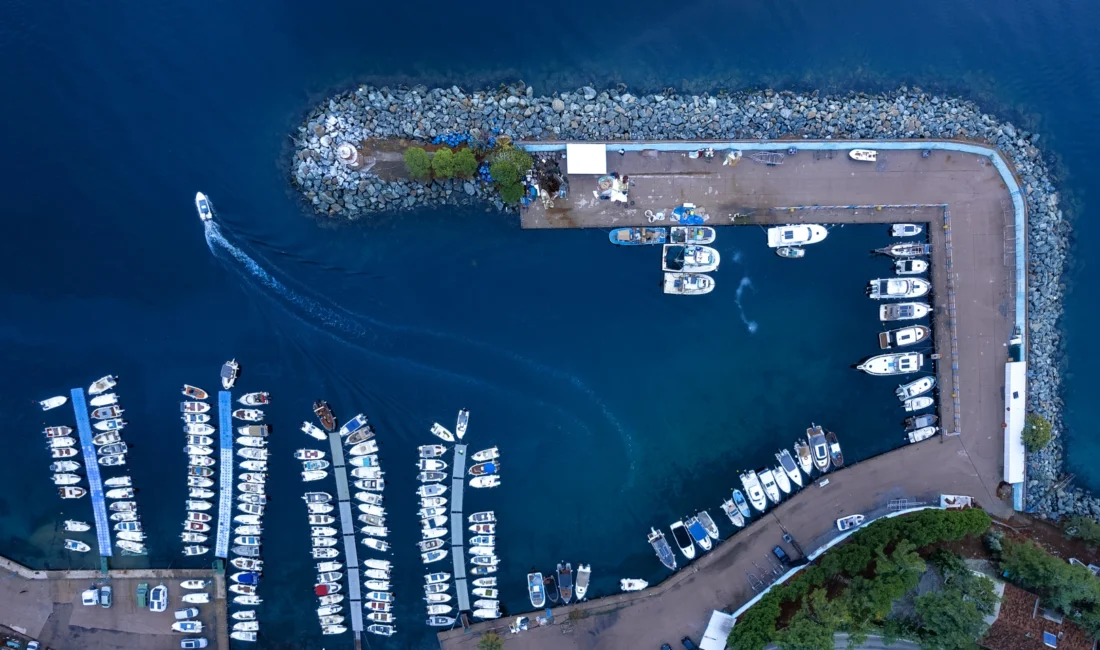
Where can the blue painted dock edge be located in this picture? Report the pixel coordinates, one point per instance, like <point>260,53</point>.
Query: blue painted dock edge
<point>225,480</point>
<point>95,482</point>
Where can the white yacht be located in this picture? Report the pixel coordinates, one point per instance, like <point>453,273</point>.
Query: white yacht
<point>905,230</point>
<point>888,288</point>
<point>688,284</point>
<point>903,311</point>
<point>202,205</point>
<point>796,235</point>
<point>910,267</point>
<point>915,388</point>
<point>893,364</point>
<point>767,480</point>
<point>923,433</point>
<point>690,259</point>
<point>751,482</point>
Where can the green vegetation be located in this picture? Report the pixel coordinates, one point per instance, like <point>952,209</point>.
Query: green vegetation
<point>1072,590</point>
<point>864,576</point>
<point>490,641</point>
<point>952,618</point>
<point>443,163</point>
<point>417,163</point>
<point>465,163</point>
<point>1085,529</point>
<point>1036,432</point>
<point>507,167</point>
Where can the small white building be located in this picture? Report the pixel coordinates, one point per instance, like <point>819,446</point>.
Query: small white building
<point>1015,460</point>
<point>718,630</point>
<point>585,158</point>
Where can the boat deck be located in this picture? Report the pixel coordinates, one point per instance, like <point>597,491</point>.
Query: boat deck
<point>95,482</point>
<point>458,550</point>
<point>347,532</point>
<point>225,479</point>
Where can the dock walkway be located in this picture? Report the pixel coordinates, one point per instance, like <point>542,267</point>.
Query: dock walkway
<point>225,480</point>
<point>458,551</point>
<point>347,532</point>
<point>91,465</point>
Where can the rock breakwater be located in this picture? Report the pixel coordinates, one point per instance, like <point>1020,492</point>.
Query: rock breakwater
<point>357,118</point>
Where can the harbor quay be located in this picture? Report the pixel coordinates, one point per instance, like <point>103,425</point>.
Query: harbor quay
<point>46,606</point>
<point>972,220</point>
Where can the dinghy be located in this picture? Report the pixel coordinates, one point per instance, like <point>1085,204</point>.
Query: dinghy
<point>194,392</point>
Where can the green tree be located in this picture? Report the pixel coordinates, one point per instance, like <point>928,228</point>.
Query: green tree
<point>511,192</point>
<point>756,627</point>
<point>804,633</point>
<point>504,172</point>
<point>443,163</point>
<point>1085,529</point>
<point>417,163</point>
<point>465,163</point>
<point>1036,432</point>
<point>950,621</point>
<point>490,641</point>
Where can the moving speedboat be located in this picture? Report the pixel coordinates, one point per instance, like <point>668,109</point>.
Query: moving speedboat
<point>698,533</point>
<point>434,451</point>
<point>632,584</point>
<point>903,336</point>
<point>202,205</point>
<point>903,311</point>
<point>689,259</point>
<point>683,539</point>
<point>897,363</point>
<point>922,433</point>
<point>796,235</point>
<point>819,448</point>
<point>461,423</point>
<point>441,432</point>
<point>751,482</point>
<point>102,385</point>
<point>835,455</point>
<point>255,399</point>
<point>638,236</point>
<point>910,267</point>
<point>863,155</point>
<point>229,373</point>
<point>888,288</point>
<point>787,463</point>
<point>915,388</point>
<point>917,403</point>
<point>687,284</point>
<point>735,516</point>
<point>53,402</point>
<point>905,230</point>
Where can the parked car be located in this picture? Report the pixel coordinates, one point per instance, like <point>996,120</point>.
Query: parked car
<point>689,644</point>
<point>143,595</point>
<point>184,614</point>
<point>90,597</point>
<point>158,599</point>
<point>781,555</point>
<point>33,645</point>
<point>665,646</point>
<point>105,596</point>
<point>193,642</point>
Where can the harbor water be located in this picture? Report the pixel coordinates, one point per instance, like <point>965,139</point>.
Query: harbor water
<point>562,346</point>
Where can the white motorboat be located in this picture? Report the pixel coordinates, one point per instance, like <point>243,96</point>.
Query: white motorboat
<point>198,516</point>
<point>433,490</point>
<point>196,526</point>
<point>916,387</point>
<point>683,539</point>
<point>381,630</point>
<point>194,407</point>
<point>53,402</point>
<point>254,430</point>
<point>376,544</point>
<point>439,609</point>
<point>483,517</point>
<point>903,311</point>
<point>791,252</point>
<point>364,448</point>
<point>789,466</point>
<point>244,615</point>
<point>74,526</point>
<point>204,441</point>
<point>433,502</point>
<point>473,550</point>
<point>255,399</point>
<point>106,399</point>
<point>863,155</point>
<point>369,498</point>
<point>910,267</point>
<point>249,415</point>
<point>433,533</point>
<point>107,412</point>
<point>248,530</point>
<point>194,504</point>
<point>229,373</point>
<point>122,506</point>
<point>196,599</point>
<point>434,522</point>
<point>252,453</point>
<point>849,522</point>
<point>198,450</point>
<point>632,584</point>
<point>248,600</point>
<point>309,454</point>
<point>130,536</point>
<point>734,513</point>
<point>323,531</point>
<point>923,433</point>
<point>767,481</point>
<point>434,451</point>
<point>113,424</point>
<point>64,466</point>
<point>369,509</point>
<point>136,548</point>
<point>200,493</point>
<point>461,423</point>
<point>904,336</point>
<point>893,364</point>
<point>76,545</point>
<point>436,578</point>
<point>486,613</point>
<point>890,288</point>
<point>65,441</point>
<point>70,492</point>
<point>819,447</point>
<point>324,553</point>
<point>441,432</point>
<point>689,259</point>
<point>374,485</point>
<point>202,205</point>
<point>485,481</point>
<point>367,472</point>
<point>66,479</point>
<point>194,584</point>
<point>314,475</point>
<point>102,385</point>
<point>196,481</point>
<point>198,429</point>
<point>66,452</point>
<point>243,589</point>
<point>353,425</point>
<point>687,284</point>
<point>320,508</point>
<point>130,526</point>
<point>484,455</point>
<point>57,432</point>
<point>917,403</point>
<point>193,538</point>
<point>793,235</point>
<point>194,392</point>
<point>113,450</point>
<point>253,465</point>
<point>313,431</point>
<point>431,464</point>
<point>751,482</point>
<point>905,230</point>
<point>370,460</point>
<point>489,592</point>
<point>433,556</point>
<point>321,520</point>
<point>782,480</point>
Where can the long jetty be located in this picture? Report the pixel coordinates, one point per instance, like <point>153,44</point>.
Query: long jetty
<point>458,552</point>
<point>225,481</point>
<point>95,482</point>
<point>347,533</point>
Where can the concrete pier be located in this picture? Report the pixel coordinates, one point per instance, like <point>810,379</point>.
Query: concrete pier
<point>347,533</point>
<point>91,466</point>
<point>458,550</point>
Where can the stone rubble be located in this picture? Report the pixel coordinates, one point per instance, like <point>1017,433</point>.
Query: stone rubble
<point>420,113</point>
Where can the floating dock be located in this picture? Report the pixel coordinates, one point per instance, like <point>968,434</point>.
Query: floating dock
<point>225,480</point>
<point>347,532</point>
<point>458,552</point>
<point>91,464</point>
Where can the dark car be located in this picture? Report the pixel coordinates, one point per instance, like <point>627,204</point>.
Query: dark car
<point>689,644</point>
<point>665,646</point>
<point>781,554</point>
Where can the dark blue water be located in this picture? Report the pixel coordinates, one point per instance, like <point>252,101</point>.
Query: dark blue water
<point>615,408</point>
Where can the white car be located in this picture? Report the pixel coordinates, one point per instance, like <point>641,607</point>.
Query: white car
<point>193,642</point>
<point>90,597</point>
<point>184,614</point>
<point>158,599</point>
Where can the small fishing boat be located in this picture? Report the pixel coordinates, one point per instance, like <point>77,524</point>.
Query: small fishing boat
<point>198,516</point>
<point>781,480</point>
<point>791,252</point>
<point>116,449</point>
<point>692,234</point>
<point>916,387</point>
<point>194,392</point>
<point>57,432</point>
<point>431,477</point>
<point>735,516</point>
<point>194,407</point>
<point>910,267</point>
<point>917,403</point>
<point>905,230</point>
<point>922,433</point>
<point>53,402</point>
<point>255,430</point>
<point>76,545</point>
<point>433,556</point>
<point>483,529</point>
<point>819,448</point>
<point>835,455</point>
<point>698,533</point>
<point>379,545</point>
<point>364,448</point>
<point>324,413</point>
<point>66,479</point>
<point>482,469</point>
<point>441,432</point>
<point>434,451</point>
<point>741,503</point>
<point>863,155</point>
<point>789,467</point>
<point>102,385</point>
<point>109,425</point>
<point>433,490</point>
<point>687,284</point>
<point>461,423</point>
<point>632,584</point>
<point>903,311</point>
<point>536,590</point>
<point>249,415</point>
<point>584,572</point>
<point>708,524</point>
<point>229,373</point>
<point>106,399</point>
<point>565,581</point>
<point>200,471</point>
<point>107,412</point>
<point>64,452</point>
<point>849,522</point>
<point>64,466</point>
<point>353,425</point>
<point>751,482</point>
<point>903,336</point>
<point>70,492</point>
<point>198,429</point>
<point>637,236</point>
<point>243,589</point>
<point>485,481</point>
<point>683,539</point>
<point>890,288</point>
<point>366,433</point>
<point>897,363</point>
<point>197,481</point>
<point>689,259</point>
<point>484,455</point>
<point>794,235</point>
<point>255,399</point>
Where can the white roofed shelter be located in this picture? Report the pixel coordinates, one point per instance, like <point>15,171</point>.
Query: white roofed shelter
<point>586,159</point>
<point>718,630</point>
<point>1015,415</point>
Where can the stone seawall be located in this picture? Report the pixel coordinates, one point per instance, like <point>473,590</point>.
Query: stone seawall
<point>336,190</point>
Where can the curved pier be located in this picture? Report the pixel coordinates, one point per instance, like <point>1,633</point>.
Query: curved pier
<point>95,482</point>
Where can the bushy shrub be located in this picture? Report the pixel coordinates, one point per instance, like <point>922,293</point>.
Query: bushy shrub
<point>1085,529</point>
<point>504,172</point>
<point>417,163</point>
<point>1036,432</point>
<point>443,163</point>
<point>465,163</point>
<point>490,641</point>
<point>511,192</point>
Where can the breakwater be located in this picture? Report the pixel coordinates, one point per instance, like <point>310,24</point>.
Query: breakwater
<point>419,115</point>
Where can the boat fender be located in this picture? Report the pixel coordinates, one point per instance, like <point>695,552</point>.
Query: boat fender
<point>651,216</point>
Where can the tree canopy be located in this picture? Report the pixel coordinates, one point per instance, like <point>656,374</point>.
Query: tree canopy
<point>417,163</point>
<point>1037,432</point>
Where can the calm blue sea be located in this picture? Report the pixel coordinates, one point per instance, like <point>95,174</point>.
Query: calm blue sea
<point>615,408</point>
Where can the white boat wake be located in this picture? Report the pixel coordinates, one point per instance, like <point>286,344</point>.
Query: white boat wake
<point>750,325</point>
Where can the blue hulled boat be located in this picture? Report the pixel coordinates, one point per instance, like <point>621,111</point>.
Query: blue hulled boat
<point>699,534</point>
<point>739,501</point>
<point>638,236</point>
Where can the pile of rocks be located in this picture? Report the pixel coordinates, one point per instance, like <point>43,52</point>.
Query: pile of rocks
<point>335,190</point>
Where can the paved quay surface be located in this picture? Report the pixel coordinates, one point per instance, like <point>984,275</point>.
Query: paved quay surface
<point>971,463</point>
<point>46,604</point>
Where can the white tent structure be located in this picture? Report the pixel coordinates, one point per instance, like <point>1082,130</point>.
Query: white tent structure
<point>1015,413</point>
<point>583,158</point>
<point>718,630</point>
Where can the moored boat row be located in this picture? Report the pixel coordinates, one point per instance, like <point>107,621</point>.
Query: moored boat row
<point>250,497</point>
<point>199,448</point>
<point>112,451</point>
